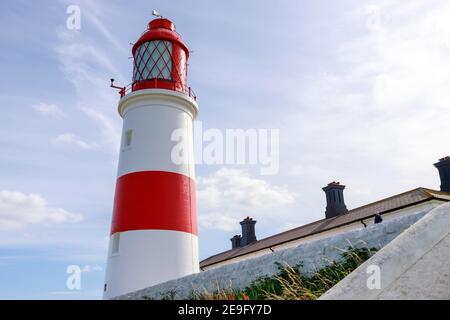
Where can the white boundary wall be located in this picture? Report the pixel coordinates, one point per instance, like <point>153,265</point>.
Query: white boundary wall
<point>413,266</point>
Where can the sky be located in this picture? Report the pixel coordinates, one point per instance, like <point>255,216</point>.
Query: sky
<point>357,89</point>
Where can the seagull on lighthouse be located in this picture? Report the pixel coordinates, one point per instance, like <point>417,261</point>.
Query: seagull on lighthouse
<point>156,14</point>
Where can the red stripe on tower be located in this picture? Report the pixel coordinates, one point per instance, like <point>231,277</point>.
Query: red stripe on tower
<point>154,200</point>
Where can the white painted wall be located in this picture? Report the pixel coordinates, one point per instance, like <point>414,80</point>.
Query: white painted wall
<point>415,265</point>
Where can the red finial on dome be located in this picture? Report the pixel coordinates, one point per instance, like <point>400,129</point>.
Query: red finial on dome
<point>160,58</point>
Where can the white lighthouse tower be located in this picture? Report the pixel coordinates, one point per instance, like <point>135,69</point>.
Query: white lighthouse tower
<point>154,228</point>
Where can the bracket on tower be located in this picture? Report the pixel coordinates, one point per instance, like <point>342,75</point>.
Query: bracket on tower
<point>121,89</point>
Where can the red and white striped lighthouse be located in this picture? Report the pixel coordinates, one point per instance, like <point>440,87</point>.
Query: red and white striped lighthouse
<point>154,229</point>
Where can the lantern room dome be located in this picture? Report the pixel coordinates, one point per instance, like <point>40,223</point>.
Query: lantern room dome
<point>161,23</point>
<point>162,29</point>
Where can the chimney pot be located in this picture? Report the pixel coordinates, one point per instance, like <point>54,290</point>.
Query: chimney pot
<point>334,192</point>
<point>444,173</point>
<point>235,241</point>
<point>248,231</point>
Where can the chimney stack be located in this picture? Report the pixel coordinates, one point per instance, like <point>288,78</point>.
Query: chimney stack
<point>235,241</point>
<point>248,231</point>
<point>335,200</point>
<point>444,172</point>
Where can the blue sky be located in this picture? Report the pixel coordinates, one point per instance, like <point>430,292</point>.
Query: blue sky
<point>358,90</point>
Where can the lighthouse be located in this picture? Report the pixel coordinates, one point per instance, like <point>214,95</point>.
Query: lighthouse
<point>153,235</point>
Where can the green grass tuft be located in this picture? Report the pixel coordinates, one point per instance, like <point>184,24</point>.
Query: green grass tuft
<point>290,284</point>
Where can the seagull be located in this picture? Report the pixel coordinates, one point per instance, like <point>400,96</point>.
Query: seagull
<point>156,13</point>
<point>378,218</point>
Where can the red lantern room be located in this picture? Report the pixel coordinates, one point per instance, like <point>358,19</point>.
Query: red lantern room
<point>160,58</point>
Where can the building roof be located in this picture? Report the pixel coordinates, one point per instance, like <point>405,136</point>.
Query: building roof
<point>383,206</point>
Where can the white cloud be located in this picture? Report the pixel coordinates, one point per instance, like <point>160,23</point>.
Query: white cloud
<point>376,116</point>
<point>225,221</point>
<point>406,55</point>
<point>50,110</point>
<point>71,139</point>
<point>228,195</point>
<point>88,67</point>
<point>18,210</point>
<point>110,130</point>
<point>94,13</point>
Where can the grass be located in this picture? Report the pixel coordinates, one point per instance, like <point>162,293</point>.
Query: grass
<point>290,284</point>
